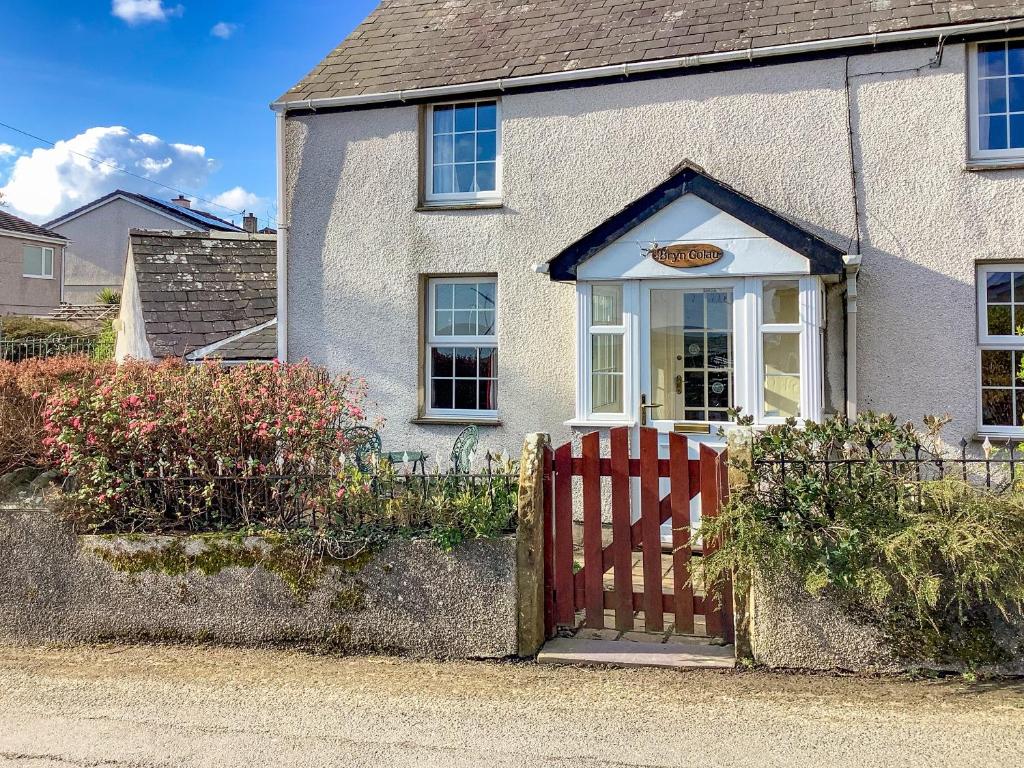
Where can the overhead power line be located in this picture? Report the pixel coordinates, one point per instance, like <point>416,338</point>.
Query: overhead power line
<point>119,169</point>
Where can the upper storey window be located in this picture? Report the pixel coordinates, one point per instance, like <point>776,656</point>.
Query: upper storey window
<point>997,101</point>
<point>463,152</point>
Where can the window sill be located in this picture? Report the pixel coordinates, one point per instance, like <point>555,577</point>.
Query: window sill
<point>38,277</point>
<point>469,205</point>
<point>994,164</point>
<point>456,421</point>
<point>997,437</point>
<point>596,424</point>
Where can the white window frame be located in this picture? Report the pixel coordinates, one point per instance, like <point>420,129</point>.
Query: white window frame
<point>748,367</point>
<point>974,151</point>
<point>431,340</point>
<point>993,342</point>
<point>448,198</point>
<point>43,254</point>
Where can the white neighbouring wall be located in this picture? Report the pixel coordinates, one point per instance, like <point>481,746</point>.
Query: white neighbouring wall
<point>574,157</point>
<point>130,324</point>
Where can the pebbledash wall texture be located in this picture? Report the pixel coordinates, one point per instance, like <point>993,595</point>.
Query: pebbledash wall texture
<point>572,157</point>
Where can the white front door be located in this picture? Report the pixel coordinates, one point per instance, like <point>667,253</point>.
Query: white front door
<point>690,371</point>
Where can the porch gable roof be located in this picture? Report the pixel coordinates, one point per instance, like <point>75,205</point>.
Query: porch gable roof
<point>824,258</point>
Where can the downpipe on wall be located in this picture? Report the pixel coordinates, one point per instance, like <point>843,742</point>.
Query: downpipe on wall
<point>852,265</point>
<point>282,245</point>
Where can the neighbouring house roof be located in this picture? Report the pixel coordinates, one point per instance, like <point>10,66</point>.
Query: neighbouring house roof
<point>9,223</point>
<point>189,216</point>
<point>824,257</point>
<point>411,44</point>
<point>196,288</point>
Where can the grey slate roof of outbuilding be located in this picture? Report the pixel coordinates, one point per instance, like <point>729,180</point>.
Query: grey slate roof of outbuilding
<point>408,44</point>
<point>9,223</point>
<point>259,343</point>
<point>198,288</point>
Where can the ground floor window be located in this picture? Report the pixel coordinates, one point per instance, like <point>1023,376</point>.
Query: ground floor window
<point>37,261</point>
<point>1001,336</point>
<point>461,351</point>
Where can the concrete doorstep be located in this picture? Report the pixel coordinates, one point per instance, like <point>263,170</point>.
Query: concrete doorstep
<point>619,653</point>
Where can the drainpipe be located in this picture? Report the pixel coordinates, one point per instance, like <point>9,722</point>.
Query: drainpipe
<point>852,264</point>
<point>282,245</point>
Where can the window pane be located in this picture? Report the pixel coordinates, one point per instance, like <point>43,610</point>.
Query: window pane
<point>1016,94</point>
<point>487,146</point>
<point>488,396</point>
<point>487,115</point>
<point>443,361</point>
<point>33,260</point>
<point>485,297</point>
<point>781,374</point>
<point>443,149</point>
<point>997,407</point>
<point>487,177</point>
<point>465,362</point>
<point>465,322</point>
<point>718,350</point>
<point>444,295</point>
<point>465,394</point>
<point>485,322</point>
<point>465,295</point>
<point>719,305</point>
<point>999,323</point>
<point>1016,131</point>
<point>465,117</point>
<point>997,286</point>
<point>693,389</point>
<point>1015,57</point>
<point>992,133</point>
<point>693,310</point>
<point>444,323</point>
<point>441,393</point>
<point>607,353</point>
<point>992,95</point>
<point>693,355</point>
<point>488,362</point>
<point>991,59</point>
<point>465,148</point>
<point>443,119</point>
<point>781,301</point>
<point>996,367</point>
<point>718,389</point>
<point>48,262</point>
<point>606,377</point>
<point>606,305</point>
<point>607,393</point>
<point>464,178</point>
<point>443,179</point>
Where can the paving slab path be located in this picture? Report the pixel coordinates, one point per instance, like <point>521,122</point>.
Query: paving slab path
<point>157,706</point>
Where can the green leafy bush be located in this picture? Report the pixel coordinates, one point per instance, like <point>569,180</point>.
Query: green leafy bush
<point>108,296</point>
<point>106,342</point>
<point>17,328</point>
<point>932,561</point>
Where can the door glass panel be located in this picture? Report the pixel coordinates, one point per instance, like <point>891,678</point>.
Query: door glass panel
<point>691,354</point>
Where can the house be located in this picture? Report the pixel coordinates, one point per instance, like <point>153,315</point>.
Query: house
<point>561,217</point>
<point>98,233</point>
<point>31,260</point>
<point>197,296</point>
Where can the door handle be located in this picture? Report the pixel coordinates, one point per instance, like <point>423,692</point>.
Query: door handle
<point>644,407</point>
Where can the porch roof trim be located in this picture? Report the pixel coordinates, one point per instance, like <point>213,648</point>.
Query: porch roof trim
<point>824,258</point>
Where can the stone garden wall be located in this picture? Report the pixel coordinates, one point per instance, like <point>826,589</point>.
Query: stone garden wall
<point>412,598</point>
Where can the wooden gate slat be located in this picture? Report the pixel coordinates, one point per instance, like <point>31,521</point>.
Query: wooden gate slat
<point>564,589</point>
<point>682,586</point>
<point>622,538</point>
<point>593,578</point>
<point>549,544</point>
<point>708,509</point>
<point>651,527</point>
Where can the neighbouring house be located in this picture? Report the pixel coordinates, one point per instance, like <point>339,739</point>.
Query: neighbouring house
<point>31,261</point>
<point>566,216</point>
<point>197,296</point>
<point>99,236</point>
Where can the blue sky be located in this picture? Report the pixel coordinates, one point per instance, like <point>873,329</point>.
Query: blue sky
<point>180,74</point>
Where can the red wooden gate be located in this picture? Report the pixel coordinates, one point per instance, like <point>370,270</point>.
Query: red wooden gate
<point>570,588</point>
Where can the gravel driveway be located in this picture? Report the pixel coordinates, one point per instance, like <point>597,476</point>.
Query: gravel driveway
<point>172,706</point>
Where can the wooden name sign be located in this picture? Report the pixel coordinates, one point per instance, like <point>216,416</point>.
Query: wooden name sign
<point>685,256</point>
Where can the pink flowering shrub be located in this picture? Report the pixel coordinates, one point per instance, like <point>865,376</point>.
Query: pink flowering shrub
<point>173,420</point>
<point>23,390</point>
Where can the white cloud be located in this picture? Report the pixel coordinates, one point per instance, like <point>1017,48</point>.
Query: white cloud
<point>6,151</point>
<point>52,181</point>
<point>143,11</point>
<point>223,30</point>
<point>240,199</point>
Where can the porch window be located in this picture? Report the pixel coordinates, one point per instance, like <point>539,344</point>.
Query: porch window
<point>37,261</point>
<point>1001,333</point>
<point>462,347</point>
<point>463,152</point>
<point>607,345</point>
<point>780,348</point>
<point>997,100</point>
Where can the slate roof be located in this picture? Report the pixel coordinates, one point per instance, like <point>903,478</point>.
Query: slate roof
<point>257,343</point>
<point>14,224</point>
<point>407,44</point>
<point>190,216</point>
<point>198,288</point>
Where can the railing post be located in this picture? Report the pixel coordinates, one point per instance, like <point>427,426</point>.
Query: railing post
<point>530,545</point>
